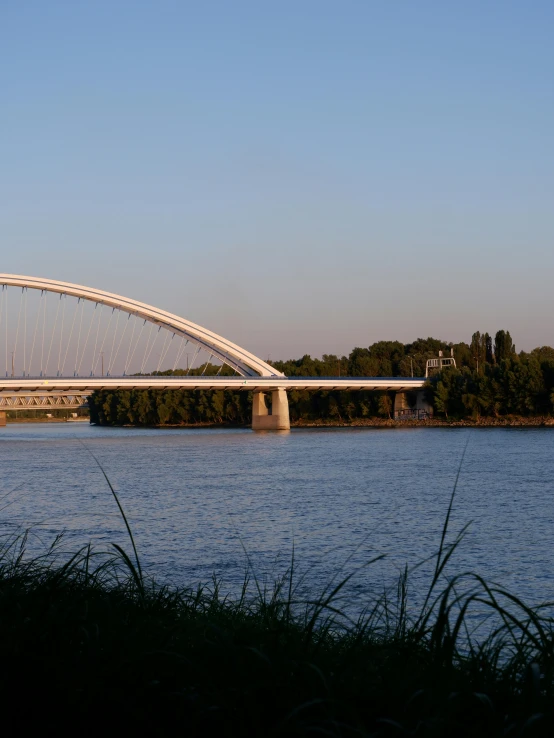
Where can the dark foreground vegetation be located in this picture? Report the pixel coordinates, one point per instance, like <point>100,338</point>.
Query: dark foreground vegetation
<point>89,646</point>
<point>491,380</point>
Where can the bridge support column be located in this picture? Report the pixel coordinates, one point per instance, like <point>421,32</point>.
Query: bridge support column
<point>2,418</point>
<point>411,405</point>
<point>400,403</point>
<point>422,404</point>
<point>279,418</point>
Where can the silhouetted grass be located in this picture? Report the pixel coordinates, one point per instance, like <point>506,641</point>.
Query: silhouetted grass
<point>89,645</point>
<point>86,644</point>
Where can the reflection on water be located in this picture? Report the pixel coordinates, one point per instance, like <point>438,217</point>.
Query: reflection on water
<point>198,499</point>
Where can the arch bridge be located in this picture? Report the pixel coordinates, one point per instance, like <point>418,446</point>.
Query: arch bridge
<point>61,341</point>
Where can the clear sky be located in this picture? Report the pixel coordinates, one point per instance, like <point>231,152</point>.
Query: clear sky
<point>301,176</point>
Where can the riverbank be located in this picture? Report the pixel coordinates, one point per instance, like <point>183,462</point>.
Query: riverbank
<point>509,421</point>
<point>11,421</point>
<point>90,642</point>
<point>513,421</point>
<point>96,644</point>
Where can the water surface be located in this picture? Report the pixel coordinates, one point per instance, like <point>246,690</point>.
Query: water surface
<point>199,499</point>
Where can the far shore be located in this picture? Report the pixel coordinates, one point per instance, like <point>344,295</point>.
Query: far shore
<point>12,421</point>
<point>508,421</point>
<point>514,421</point>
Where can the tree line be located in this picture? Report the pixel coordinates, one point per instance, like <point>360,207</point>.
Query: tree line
<point>497,382</point>
<point>490,379</point>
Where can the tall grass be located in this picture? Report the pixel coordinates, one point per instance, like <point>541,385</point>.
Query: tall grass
<point>88,643</point>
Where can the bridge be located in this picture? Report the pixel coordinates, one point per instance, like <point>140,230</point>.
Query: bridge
<point>71,340</point>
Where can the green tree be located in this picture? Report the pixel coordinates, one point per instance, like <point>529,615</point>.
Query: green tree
<point>385,405</point>
<point>478,350</point>
<point>503,346</point>
<point>362,364</point>
<point>489,354</point>
<point>442,397</point>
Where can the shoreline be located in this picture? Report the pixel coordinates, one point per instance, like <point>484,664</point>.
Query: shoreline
<point>245,667</point>
<point>15,421</point>
<point>509,421</point>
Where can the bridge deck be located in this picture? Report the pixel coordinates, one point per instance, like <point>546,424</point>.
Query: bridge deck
<point>57,385</point>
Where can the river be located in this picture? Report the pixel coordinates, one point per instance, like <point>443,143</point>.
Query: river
<point>204,501</point>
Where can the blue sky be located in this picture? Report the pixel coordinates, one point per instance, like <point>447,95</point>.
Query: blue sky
<point>302,177</point>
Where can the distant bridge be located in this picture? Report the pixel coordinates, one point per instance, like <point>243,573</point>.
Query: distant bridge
<point>72,341</point>
<point>10,400</point>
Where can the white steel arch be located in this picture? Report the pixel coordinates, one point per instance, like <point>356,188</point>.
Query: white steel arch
<point>243,361</point>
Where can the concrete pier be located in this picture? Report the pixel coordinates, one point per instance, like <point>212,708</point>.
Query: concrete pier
<point>401,403</point>
<point>411,404</point>
<point>2,418</point>
<point>279,417</point>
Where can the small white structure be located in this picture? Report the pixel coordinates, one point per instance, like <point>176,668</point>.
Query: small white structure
<point>441,362</point>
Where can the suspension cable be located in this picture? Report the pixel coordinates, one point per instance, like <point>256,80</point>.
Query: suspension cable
<point>36,328</point>
<point>146,352</point>
<point>96,340</point>
<point>70,335</point>
<point>196,352</point>
<point>63,299</point>
<point>166,338</point>
<point>79,337</point>
<point>1,313</point>
<point>17,330</point>
<point>106,332</point>
<point>136,344</point>
<point>87,338</point>
<point>179,354</point>
<point>25,331</point>
<point>113,341</point>
<point>153,342</point>
<point>206,366</point>
<point>43,333</point>
<point>6,300</point>
<point>120,342</point>
<point>130,347</point>
<point>53,334</point>
<point>165,350</point>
